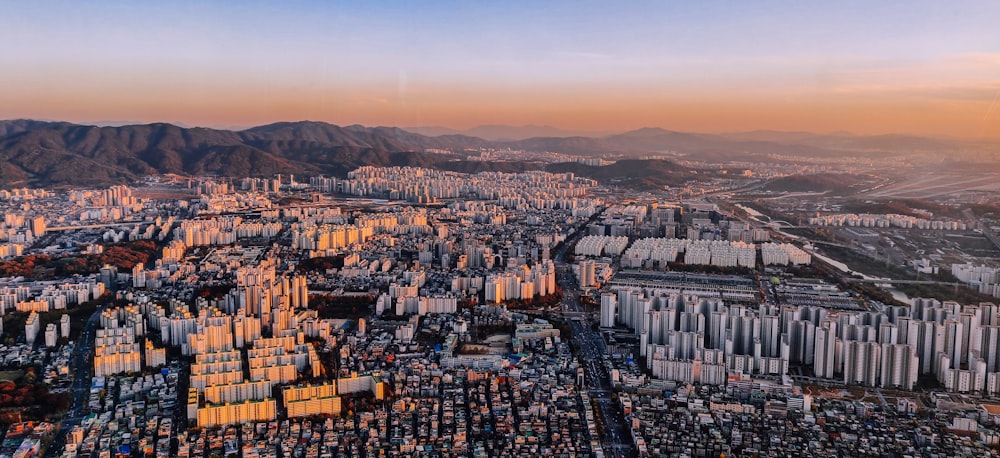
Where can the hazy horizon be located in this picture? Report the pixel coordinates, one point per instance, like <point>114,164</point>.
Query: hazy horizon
<point>466,131</point>
<point>924,68</point>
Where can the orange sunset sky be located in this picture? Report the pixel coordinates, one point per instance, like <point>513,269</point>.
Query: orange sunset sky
<point>910,67</point>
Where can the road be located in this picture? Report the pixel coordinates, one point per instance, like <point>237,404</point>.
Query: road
<point>83,355</point>
<point>616,440</point>
<point>890,281</point>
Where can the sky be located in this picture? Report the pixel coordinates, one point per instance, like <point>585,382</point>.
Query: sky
<point>927,67</point>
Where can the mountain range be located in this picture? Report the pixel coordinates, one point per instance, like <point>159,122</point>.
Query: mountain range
<point>42,153</point>
<point>35,153</point>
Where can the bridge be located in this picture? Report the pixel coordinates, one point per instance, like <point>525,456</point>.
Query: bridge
<point>782,224</point>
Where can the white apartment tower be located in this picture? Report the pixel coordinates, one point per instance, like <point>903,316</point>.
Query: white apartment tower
<point>609,307</point>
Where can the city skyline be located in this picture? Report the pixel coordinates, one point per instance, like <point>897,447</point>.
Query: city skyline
<point>653,229</point>
<point>893,68</point>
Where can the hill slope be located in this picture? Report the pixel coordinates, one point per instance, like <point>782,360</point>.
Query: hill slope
<point>630,173</point>
<point>34,153</point>
<point>828,182</point>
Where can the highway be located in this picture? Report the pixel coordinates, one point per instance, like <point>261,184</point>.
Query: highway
<point>83,354</point>
<point>616,440</point>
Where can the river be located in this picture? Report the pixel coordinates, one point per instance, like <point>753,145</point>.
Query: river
<point>896,294</point>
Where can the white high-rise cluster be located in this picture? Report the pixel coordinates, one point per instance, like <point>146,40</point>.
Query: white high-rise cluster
<point>222,230</point>
<point>116,352</point>
<point>985,279</point>
<point>652,250</point>
<point>656,252</point>
<point>222,203</point>
<point>51,297</point>
<point>601,245</point>
<point>691,339</point>
<point>511,190</point>
<point>887,220</point>
<point>783,254</point>
<point>720,253</point>
<point>523,283</point>
<point>423,305</point>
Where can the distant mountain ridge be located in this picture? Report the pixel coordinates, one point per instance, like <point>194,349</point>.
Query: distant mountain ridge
<point>650,140</point>
<point>42,153</point>
<point>853,143</point>
<point>498,132</point>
